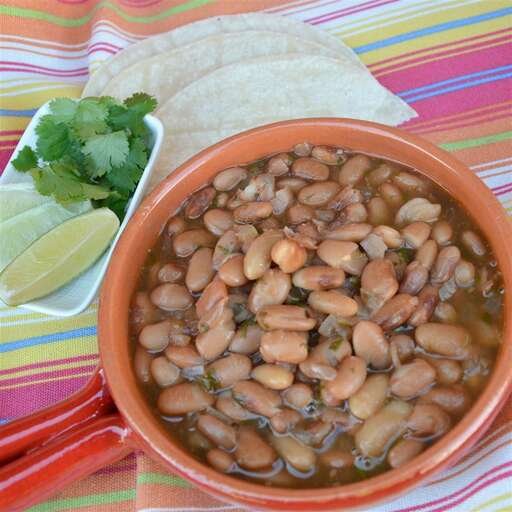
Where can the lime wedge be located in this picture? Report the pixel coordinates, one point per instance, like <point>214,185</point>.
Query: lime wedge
<point>58,256</point>
<point>18,197</point>
<point>21,230</point>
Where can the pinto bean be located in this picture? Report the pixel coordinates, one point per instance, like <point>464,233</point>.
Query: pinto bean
<point>401,348</point>
<point>284,347</point>
<point>428,420</point>
<point>298,455</point>
<point>464,274</point>
<point>315,369</point>
<point>313,433</point>
<point>392,195</point>
<point>371,345</point>
<point>382,427</point>
<point>354,213</point>
<point>256,398</point>
<point>292,318</point>
<point>175,226</point>
<point>246,340</point>
<point>447,371</point>
<point>378,283</point>
<point>249,213</point>
<point>445,264</point>
<point>220,460</point>
<point>230,369</point>
<point>164,372</point>
<point>171,273</point>
<point>212,294</point>
<point>188,242</point>
<point>428,299</point>
<point>232,271</point>
<point>337,459</point>
<point>318,277</point>
<point>273,376</point>
<point>298,395</point>
<point>183,357</point>
<point>354,169</point>
<point>353,232</point>
<point>171,297</point>
<point>259,188</point>
<point>410,183</point>
<point>317,194</point>
<point>227,245</point>
<point>383,172</point>
<point>183,398</point>
<point>378,211</point>
<point>200,270</point>
<point>232,409</point>
<point>331,351</point>
<point>404,451</point>
<point>370,397</point>
<point>416,277</point>
<point>446,340</point>
<point>341,255</point>
<point>390,236</point>
<point>345,197</point>
<point>279,164</point>
<point>282,201</point>
<point>252,452</point>
<point>416,234</point>
<point>212,343</point>
<point>473,243</point>
<point>412,379</point>
<point>294,184</point>
<point>257,260</point>
<point>217,431</point>
<point>374,246</point>
<point>395,311</point>
<point>299,213</point>
<point>229,178</point>
<point>418,210</point>
<point>221,201</point>
<point>427,254</point>
<point>454,400</point>
<point>303,149</point>
<point>310,169</point>
<point>155,337</point>
<point>328,155</point>
<point>442,232</point>
<point>142,365</point>
<point>288,255</point>
<point>349,378</point>
<point>218,221</point>
<point>142,311</point>
<point>199,202</point>
<point>285,420</point>
<point>332,303</point>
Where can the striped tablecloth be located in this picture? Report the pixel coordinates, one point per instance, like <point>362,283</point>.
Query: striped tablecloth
<point>451,60</point>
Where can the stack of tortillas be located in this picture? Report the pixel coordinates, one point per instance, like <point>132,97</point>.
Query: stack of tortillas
<point>224,75</point>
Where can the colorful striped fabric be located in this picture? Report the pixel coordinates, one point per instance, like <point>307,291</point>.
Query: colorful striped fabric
<point>450,59</point>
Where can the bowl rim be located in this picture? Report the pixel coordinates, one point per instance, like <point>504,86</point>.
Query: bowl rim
<point>151,436</point>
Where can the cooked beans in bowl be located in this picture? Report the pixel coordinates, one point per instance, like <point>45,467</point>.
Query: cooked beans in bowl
<point>315,318</point>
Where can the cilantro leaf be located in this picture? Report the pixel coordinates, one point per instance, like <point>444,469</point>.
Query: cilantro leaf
<point>125,177</point>
<point>53,139</point>
<point>25,160</point>
<point>63,109</point>
<point>106,151</point>
<point>90,118</point>
<point>141,102</point>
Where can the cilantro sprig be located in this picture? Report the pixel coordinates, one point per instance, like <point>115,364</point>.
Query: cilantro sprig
<point>93,149</point>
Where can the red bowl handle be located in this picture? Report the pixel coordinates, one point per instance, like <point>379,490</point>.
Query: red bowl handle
<point>46,451</point>
<point>74,455</point>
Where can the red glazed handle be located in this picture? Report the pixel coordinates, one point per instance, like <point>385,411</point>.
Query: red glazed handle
<point>47,470</point>
<point>45,452</point>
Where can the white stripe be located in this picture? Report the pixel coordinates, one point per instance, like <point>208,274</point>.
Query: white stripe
<point>188,509</point>
<point>486,164</point>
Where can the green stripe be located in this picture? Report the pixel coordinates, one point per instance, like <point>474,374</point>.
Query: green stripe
<point>160,478</point>
<point>84,501</point>
<point>473,143</point>
<point>77,22</point>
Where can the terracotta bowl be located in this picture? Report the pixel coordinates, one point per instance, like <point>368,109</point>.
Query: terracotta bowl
<point>134,425</point>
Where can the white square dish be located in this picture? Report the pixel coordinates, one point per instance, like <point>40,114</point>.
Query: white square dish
<point>76,296</point>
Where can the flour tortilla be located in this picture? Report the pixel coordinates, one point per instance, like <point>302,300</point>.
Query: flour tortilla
<point>165,74</point>
<point>192,32</point>
<point>241,96</point>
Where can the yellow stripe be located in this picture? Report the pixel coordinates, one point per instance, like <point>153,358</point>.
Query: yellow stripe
<point>34,99</point>
<point>15,314</point>
<point>57,350</point>
<point>13,123</point>
<point>493,501</point>
<point>52,368</point>
<point>29,85</point>
<point>44,381</point>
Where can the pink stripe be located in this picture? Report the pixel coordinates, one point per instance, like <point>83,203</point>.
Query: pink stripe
<point>457,493</point>
<point>41,68</point>
<point>104,47</point>
<point>503,192</point>
<point>83,73</point>
<point>445,45</point>
<point>10,132</point>
<point>448,53</point>
<point>347,10</point>
<point>69,372</point>
<point>334,16</point>
<point>8,143</point>
<point>113,470</point>
<point>5,154</point>
<point>45,364</point>
<point>450,67</point>
<point>14,402</point>
<point>507,185</point>
<point>446,126</point>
